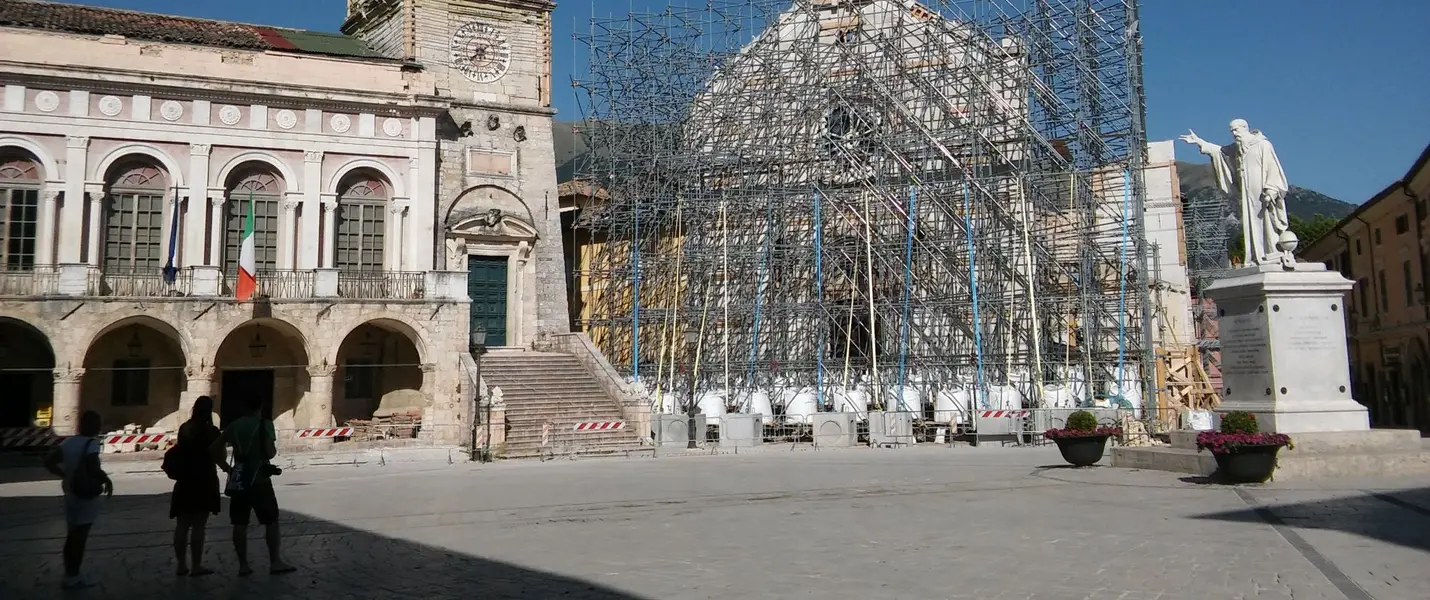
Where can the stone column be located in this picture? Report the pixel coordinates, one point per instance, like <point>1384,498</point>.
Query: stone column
<point>201,381</point>
<point>318,409</point>
<point>71,218</point>
<point>96,220</point>
<point>216,200</point>
<point>64,413</point>
<point>312,207</point>
<point>397,226</point>
<point>287,253</point>
<point>330,224</point>
<point>48,229</point>
<point>196,213</point>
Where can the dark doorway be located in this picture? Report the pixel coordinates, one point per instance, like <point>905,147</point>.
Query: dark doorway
<point>240,384</point>
<point>486,285</point>
<point>15,401</point>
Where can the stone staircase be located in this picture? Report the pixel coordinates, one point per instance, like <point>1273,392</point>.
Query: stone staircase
<point>550,387</point>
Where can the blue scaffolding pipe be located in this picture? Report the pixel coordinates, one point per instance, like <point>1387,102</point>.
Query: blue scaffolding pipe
<point>760,291</point>
<point>819,294</point>
<point>1122,280</point>
<point>980,382</point>
<point>908,282</point>
<point>636,297</point>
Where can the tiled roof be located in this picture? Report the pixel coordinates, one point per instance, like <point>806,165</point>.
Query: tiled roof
<point>92,20</point>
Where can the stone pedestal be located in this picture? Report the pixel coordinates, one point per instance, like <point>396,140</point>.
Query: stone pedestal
<point>325,283</point>
<point>74,280</point>
<point>1283,348</point>
<point>1284,360</point>
<point>206,281</point>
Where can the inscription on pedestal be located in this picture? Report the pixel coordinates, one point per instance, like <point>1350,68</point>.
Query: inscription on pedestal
<point>1311,334</point>
<point>1244,346</point>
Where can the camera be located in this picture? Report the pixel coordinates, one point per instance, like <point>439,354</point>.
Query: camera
<point>272,470</point>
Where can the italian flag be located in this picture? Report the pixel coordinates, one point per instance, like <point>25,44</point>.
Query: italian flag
<point>247,263</point>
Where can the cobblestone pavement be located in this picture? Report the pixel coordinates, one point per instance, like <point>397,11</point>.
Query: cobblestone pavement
<point>922,523</point>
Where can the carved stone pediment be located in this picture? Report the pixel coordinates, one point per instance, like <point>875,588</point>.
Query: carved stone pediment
<point>492,225</point>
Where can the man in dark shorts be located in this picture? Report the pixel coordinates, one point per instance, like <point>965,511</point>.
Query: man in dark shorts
<point>250,483</point>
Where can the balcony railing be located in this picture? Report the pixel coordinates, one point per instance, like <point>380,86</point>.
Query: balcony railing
<point>276,284</point>
<point>145,282</point>
<point>81,280</point>
<point>382,285</point>
<point>37,281</point>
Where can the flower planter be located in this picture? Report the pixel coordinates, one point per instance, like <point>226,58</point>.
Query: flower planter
<point>1247,463</point>
<point>1082,451</point>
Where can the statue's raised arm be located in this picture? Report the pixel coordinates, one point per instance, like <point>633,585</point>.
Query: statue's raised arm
<point>1202,145</point>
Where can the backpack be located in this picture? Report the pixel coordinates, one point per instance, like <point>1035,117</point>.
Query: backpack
<point>83,484</point>
<point>173,464</point>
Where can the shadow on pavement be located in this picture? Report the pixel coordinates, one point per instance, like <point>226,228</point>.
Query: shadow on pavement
<point>131,556</point>
<point>1401,517</point>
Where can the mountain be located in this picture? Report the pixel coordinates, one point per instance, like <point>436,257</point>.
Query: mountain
<point>1198,182</point>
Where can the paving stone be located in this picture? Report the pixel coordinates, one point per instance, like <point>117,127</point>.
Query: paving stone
<point>984,523</point>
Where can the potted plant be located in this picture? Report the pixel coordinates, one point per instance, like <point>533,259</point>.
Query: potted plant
<point>1082,442</point>
<point>1243,454</point>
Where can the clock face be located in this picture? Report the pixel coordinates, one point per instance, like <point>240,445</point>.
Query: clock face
<point>480,52</point>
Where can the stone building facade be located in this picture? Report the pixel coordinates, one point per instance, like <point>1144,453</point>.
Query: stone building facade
<point>399,179</point>
<point>1384,247</point>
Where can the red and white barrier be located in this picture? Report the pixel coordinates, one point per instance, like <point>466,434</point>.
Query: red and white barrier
<point>599,426</point>
<point>1000,414</point>
<point>325,432</point>
<point>135,438</point>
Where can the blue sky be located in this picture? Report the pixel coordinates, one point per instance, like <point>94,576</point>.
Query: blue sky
<point>1343,93</point>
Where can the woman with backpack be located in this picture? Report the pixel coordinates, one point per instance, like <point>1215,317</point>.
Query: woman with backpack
<point>76,462</point>
<point>195,495</point>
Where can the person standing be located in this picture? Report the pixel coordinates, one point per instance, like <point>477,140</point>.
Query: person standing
<point>76,462</point>
<point>250,484</point>
<point>195,494</point>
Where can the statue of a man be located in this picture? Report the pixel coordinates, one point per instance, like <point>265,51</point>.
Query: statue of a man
<point>1249,171</point>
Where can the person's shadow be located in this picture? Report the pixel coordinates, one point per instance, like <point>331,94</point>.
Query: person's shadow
<point>130,554</point>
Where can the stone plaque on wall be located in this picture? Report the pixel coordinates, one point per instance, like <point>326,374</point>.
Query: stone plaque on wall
<point>488,162</point>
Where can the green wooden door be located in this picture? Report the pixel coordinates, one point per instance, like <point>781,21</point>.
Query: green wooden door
<point>486,285</point>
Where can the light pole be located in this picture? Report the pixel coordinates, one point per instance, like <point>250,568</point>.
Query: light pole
<point>692,340</point>
<point>477,346</point>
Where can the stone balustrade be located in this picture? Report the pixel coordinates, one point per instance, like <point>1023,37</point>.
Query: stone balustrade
<point>82,280</point>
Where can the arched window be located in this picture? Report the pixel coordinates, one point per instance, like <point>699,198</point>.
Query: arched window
<point>361,223</point>
<point>254,191</point>
<point>134,219</point>
<point>19,201</point>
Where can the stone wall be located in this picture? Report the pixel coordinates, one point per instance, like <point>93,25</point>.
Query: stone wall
<point>205,337</point>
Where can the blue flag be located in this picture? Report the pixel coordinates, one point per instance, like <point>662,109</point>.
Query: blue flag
<point>171,272</point>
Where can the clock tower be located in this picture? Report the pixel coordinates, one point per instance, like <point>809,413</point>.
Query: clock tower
<point>488,62</point>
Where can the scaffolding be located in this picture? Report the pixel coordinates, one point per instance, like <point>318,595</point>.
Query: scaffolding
<point>899,198</point>
<point>1209,224</point>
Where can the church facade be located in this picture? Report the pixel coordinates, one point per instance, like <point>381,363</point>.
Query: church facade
<point>396,184</point>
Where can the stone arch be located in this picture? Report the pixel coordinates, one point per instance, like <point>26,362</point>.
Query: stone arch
<point>380,371</point>
<point>134,374</point>
<point>399,188</point>
<point>479,199</point>
<point>265,359</point>
<point>47,163</point>
<point>399,323</point>
<point>186,345</point>
<point>27,361</point>
<point>291,182</point>
<point>129,151</point>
